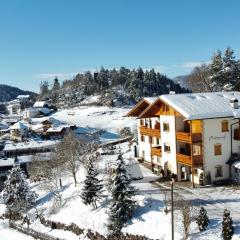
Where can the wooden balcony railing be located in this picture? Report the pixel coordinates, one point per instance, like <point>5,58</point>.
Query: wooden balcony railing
<point>188,137</point>
<point>152,132</point>
<point>156,151</point>
<point>185,159</point>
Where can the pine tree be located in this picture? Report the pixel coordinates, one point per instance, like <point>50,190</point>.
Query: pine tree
<point>56,85</point>
<point>227,226</point>
<point>202,219</point>
<point>16,193</point>
<point>92,186</point>
<point>122,193</point>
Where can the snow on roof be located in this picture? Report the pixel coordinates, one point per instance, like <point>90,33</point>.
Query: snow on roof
<point>28,145</point>
<point>18,125</point>
<point>39,104</point>
<point>203,105</point>
<point>45,111</point>
<point>150,99</point>
<point>56,129</point>
<point>236,164</point>
<point>23,96</point>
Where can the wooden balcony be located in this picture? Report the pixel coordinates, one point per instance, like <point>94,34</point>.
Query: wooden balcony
<point>188,137</point>
<point>187,160</point>
<point>156,151</point>
<point>152,132</point>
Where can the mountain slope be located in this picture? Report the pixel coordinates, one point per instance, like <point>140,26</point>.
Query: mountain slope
<point>8,93</point>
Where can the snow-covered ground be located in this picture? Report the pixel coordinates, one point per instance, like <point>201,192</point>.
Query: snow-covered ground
<point>105,118</point>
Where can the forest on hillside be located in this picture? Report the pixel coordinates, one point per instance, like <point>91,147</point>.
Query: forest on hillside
<point>115,86</point>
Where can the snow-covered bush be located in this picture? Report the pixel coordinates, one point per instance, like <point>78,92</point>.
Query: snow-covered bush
<point>202,219</point>
<point>227,226</point>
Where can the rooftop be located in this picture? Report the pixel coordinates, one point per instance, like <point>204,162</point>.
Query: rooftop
<point>203,105</point>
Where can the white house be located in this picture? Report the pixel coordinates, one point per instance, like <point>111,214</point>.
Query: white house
<point>14,107</point>
<point>195,136</point>
<point>18,131</point>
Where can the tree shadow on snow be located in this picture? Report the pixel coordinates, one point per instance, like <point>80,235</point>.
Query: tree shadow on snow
<point>149,205</point>
<point>199,201</point>
<point>46,198</point>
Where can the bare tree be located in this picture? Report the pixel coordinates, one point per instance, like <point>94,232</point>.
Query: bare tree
<point>73,153</point>
<point>188,215</point>
<point>200,79</point>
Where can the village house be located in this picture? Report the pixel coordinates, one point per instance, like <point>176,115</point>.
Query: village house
<point>18,131</point>
<point>195,136</point>
<point>14,107</point>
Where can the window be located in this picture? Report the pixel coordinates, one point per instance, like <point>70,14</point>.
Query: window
<point>225,126</point>
<point>141,122</point>
<point>218,171</point>
<point>166,127</point>
<point>142,138</point>
<point>167,148</point>
<point>150,139</point>
<point>197,150</point>
<point>157,141</point>
<point>195,172</point>
<point>217,149</point>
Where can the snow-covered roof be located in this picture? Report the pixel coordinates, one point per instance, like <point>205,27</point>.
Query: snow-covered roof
<point>45,110</point>
<point>23,96</point>
<point>236,164</point>
<point>204,105</point>
<point>18,126</point>
<point>56,129</point>
<point>39,104</point>
<point>150,99</point>
<point>29,145</point>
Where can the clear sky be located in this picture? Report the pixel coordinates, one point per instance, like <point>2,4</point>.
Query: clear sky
<point>43,38</point>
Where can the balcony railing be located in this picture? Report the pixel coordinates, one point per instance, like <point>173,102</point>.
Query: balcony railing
<point>185,159</point>
<point>156,151</point>
<point>188,137</point>
<point>152,132</point>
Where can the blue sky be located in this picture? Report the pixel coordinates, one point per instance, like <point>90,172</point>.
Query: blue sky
<point>44,38</point>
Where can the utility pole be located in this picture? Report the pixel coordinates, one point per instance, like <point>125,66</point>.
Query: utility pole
<point>172,203</point>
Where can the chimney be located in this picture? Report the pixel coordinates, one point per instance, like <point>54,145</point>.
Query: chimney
<point>234,103</point>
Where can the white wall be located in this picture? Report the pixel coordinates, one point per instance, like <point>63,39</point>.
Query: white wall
<point>212,134</point>
<point>170,138</point>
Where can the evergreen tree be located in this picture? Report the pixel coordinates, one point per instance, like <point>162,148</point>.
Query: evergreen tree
<point>16,193</point>
<point>44,88</point>
<point>92,186</point>
<point>202,219</point>
<point>56,85</point>
<point>122,205</point>
<point>227,226</point>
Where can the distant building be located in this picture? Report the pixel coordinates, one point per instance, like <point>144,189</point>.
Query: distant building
<point>14,107</point>
<point>18,131</point>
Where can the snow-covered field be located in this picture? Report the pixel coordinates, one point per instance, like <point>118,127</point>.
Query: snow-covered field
<point>149,218</point>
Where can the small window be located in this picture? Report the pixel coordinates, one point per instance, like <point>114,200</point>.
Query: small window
<point>195,172</point>
<point>166,127</point>
<point>157,141</point>
<point>225,126</point>
<point>141,122</point>
<point>218,171</point>
<point>150,139</point>
<point>217,149</point>
<point>142,138</point>
<point>167,148</point>
<point>197,149</point>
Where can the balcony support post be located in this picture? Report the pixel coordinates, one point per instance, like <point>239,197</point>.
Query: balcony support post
<point>192,163</point>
